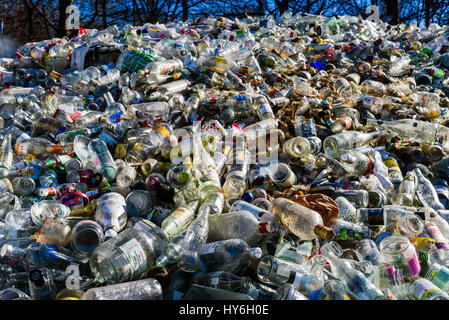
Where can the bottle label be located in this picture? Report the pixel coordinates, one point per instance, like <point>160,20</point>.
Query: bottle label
<point>435,233</point>
<point>162,130</point>
<point>349,234</point>
<point>421,288</point>
<point>392,165</point>
<point>21,149</point>
<point>96,160</point>
<point>265,108</point>
<point>135,255</point>
<point>22,137</point>
<point>182,215</point>
<point>440,278</point>
<point>414,265</point>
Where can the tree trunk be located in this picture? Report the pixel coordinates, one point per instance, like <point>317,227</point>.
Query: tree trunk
<point>185,10</point>
<point>427,4</point>
<point>104,14</point>
<point>393,10</point>
<point>62,5</point>
<point>29,19</point>
<point>282,5</point>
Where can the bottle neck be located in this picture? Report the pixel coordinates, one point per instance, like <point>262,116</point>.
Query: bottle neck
<point>324,232</point>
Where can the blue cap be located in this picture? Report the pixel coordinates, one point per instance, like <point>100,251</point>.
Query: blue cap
<point>248,197</point>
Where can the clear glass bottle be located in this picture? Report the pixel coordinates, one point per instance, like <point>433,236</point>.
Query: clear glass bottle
<point>6,156</point>
<point>226,281</point>
<point>102,159</point>
<point>358,198</point>
<point>299,220</point>
<point>128,255</point>
<point>356,163</point>
<point>195,238</point>
<point>146,289</point>
<point>406,191</point>
<point>171,252</point>
<point>261,214</point>
<point>111,213</point>
<point>299,146</point>
<point>418,130</point>
<point>425,191</point>
<point>126,176</point>
<point>337,144</point>
<point>179,219</point>
<point>423,289</point>
<point>355,280</point>
<point>346,211</point>
<point>237,225</point>
<point>232,255</point>
<point>281,175</point>
<point>86,236</point>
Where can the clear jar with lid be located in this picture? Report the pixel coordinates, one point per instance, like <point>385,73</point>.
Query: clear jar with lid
<point>398,253</point>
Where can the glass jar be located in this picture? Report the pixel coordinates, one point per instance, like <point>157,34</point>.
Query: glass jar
<point>399,255</point>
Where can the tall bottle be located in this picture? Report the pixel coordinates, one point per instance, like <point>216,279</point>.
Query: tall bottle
<point>128,255</point>
<point>232,255</point>
<point>303,222</point>
<point>204,169</point>
<point>418,130</point>
<point>354,279</point>
<point>179,219</point>
<point>102,159</point>
<point>146,289</point>
<point>336,144</point>
<point>227,281</point>
<point>171,252</point>
<point>38,255</point>
<point>299,146</point>
<point>356,163</point>
<point>406,190</point>
<point>40,147</point>
<point>237,225</point>
<point>195,238</point>
<point>425,191</point>
<point>6,156</point>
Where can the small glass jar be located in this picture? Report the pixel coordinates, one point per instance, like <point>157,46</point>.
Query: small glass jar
<point>398,253</point>
<point>281,175</point>
<point>410,226</point>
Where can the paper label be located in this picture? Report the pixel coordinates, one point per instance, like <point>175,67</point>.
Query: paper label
<point>134,254</point>
<point>421,288</point>
<point>265,108</point>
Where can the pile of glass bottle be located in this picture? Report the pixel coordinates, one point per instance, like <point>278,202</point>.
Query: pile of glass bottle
<point>256,159</point>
